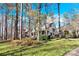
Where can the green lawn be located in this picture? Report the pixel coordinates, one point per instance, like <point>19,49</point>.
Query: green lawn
<point>51,48</point>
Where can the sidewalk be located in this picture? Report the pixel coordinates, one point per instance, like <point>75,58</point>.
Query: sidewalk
<point>74,52</point>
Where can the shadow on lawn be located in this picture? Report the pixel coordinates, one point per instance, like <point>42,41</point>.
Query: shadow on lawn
<point>12,52</point>
<point>25,48</point>
<point>22,49</point>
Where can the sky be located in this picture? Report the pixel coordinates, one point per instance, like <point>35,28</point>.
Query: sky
<point>64,7</point>
<point>69,7</point>
<point>51,8</point>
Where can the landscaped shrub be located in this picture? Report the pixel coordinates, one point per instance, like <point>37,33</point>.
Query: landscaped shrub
<point>44,37</point>
<point>66,34</point>
<point>74,34</point>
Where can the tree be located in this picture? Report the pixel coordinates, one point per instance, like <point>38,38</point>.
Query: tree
<point>45,19</point>
<point>2,27</point>
<point>66,18</point>
<point>6,26</point>
<point>16,24</point>
<point>59,19</point>
<point>12,28</point>
<point>29,9</point>
<point>38,22</point>
<point>21,18</point>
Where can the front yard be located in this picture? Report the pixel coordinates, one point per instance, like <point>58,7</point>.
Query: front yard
<point>51,48</point>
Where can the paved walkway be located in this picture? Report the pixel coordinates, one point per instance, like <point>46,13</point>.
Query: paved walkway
<point>74,52</point>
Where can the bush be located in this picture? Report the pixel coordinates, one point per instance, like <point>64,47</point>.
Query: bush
<point>74,34</point>
<point>44,37</point>
<point>66,33</point>
<point>25,42</point>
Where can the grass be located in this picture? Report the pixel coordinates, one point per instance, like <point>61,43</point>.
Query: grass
<point>51,48</point>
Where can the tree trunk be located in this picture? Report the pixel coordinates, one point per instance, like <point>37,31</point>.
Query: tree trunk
<point>5,27</point>
<point>35,29</point>
<point>59,19</point>
<point>29,24</point>
<point>46,18</point>
<point>0,32</point>
<point>2,27</point>
<point>21,17</point>
<point>29,27</point>
<point>38,23</point>
<point>12,28</point>
<point>45,25</point>
<point>16,24</point>
<point>30,21</point>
